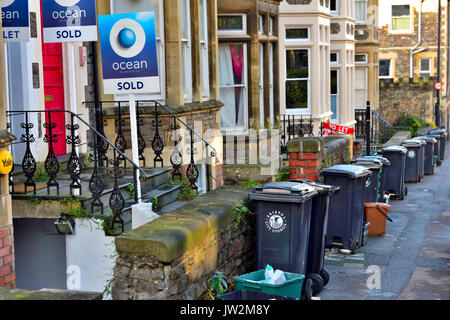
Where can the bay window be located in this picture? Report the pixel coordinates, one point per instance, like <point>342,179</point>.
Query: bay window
<point>297,81</point>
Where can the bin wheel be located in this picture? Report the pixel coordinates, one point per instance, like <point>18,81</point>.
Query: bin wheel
<point>307,289</point>
<point>406,191</point>
<point>325,276</point>
<point>318,284</point>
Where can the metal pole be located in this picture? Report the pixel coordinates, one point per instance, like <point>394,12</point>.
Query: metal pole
<point>438,77</point>
<point>368,114</point>
<point>134,142</point>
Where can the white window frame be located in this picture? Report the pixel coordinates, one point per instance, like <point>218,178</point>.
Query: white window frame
<point>260,24</point>
<point>365,12</point>
<point>366,90</point>
<point>243,31</point>
<point>271,25</point>
<point>410,19</point>
<point>244,86</point>
<point>362,54</point>
<point>187,56</point>
<point>424,71</point>
<point>160,45</point>
<point>298,111</point>
<point>337,57</point>
<point>390,70</point>
<point>297,39</point>
<point>335,12</point>
<point>337,96</point>
<point>204,44</point>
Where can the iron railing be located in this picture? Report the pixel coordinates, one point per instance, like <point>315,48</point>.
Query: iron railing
<point>295,126</point>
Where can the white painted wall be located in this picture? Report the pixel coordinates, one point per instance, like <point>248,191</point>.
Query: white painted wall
<point>90,257</point>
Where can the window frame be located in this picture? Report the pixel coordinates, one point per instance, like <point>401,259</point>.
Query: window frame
<point>365,12</point>
<point>335,12</point>
<point>204,54</point>
<point>390,69</point>
<point>160,45</point>
<point>420,67</point>
<point>335,120</point>
<point>337,57</point>
<point>297,39</point>
<point>366,89</point>
<point>391,30</point>
<point>366,55</point>
<point>244,86</point>
<point>298,111</point>
<point>243,31</point>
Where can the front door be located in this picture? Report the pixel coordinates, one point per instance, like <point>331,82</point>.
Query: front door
<point>52,62</point>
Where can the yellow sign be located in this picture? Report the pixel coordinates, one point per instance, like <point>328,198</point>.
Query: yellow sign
<point>6,162</point>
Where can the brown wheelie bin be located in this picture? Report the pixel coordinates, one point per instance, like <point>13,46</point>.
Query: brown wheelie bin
<point>376,213</point>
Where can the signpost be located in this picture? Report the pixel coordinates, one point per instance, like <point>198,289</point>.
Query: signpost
<point>129,62</point>
<point>438,86</point>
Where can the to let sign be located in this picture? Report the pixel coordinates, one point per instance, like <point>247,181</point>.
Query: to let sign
<point>129,54</point>
<point>15,21</point>
<point>329,128</point>
<point>69,20</point>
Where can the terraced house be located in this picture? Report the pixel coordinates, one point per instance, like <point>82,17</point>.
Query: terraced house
<point>413,56</point>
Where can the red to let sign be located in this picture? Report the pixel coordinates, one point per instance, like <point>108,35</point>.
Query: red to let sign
<point>333,128</point>
<point>438,86</point>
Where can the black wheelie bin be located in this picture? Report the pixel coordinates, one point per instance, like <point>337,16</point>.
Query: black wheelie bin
<point>412,160</point>
<point>373,183</point>
<point>395,175</point>
<point>283,217</point>
<point>442,133</point>
<point>316,247</point>
<point>429,165</point>
<point>386,163</point>
<point>346,211</point>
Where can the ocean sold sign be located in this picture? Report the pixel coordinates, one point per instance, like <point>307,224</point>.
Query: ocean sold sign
<point>15,21</point>
<point>129,55</point>
<point>69,20</point>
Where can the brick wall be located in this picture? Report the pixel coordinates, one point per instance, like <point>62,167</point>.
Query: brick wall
<point>305,165</point>
<point>7,270</point>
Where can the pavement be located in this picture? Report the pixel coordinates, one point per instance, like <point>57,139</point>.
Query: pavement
<point>410,262</point>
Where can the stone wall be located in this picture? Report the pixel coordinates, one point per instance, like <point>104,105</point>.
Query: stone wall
<point>176,255</point>
<point>310,155</point>
<point>407,97</point>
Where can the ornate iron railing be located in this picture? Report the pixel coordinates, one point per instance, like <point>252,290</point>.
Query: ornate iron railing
<point>294,126</point>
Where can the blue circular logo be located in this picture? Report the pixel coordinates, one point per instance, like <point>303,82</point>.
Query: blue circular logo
<point>126,38</point>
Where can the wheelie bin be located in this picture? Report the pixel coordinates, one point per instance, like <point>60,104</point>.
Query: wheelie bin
<point>386,163</point>
<point>442,133</point>
<point>346,211</point>
<point>283,217</point>
<point>429,165</point>
<point>316,247</point>
<point>437,148</point>
<point>412,164</point>
<point>395,175</point>
<point>373,183</point>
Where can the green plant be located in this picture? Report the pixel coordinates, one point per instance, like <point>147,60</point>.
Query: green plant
<point>412,122</point>
<point>347,158</point>
<point>40,175</point>
<point>218,285</point>
<point>250,184</point>
<point>155,206</point>
<point>35,201</point>
<point>283,174</point>
<point>186,193</point>
<point>325,161</point>
<point>240,212</point>
<point>130,189</point>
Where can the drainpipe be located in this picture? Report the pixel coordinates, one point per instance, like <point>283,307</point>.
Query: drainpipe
<point>419,42</point>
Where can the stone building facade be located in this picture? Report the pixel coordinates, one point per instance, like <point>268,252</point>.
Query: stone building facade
<point>409,55</point>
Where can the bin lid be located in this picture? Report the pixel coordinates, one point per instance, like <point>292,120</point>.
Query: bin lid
<point>353,171</point>
<point>287,187</point>
<point>383,160</point>
<point>319,186</point>
<point>413,143</point>
<point>374,164</point>
<point>427,139</point>
<point>395,149</point>
<point>286,191</point>
<point>440,131</point>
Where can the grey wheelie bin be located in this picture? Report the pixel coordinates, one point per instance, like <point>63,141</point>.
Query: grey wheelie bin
<point>316,247</point>
<point>437,148</point>
<point>373,183</point>
<point>412,169</point>
<point>395,175</point>
<point>346,211</point>
<point>385,162</point>
<point>442,132</point>
<point>283,216</point>
<point>429,165</point>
